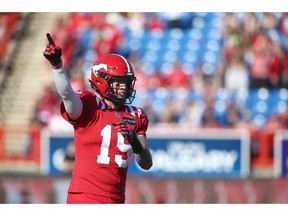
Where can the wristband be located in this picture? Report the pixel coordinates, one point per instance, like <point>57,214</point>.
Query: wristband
<point>55,67</point>
<point>136,144</point>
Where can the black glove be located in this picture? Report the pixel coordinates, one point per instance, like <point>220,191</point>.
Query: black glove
<point>129,134</point>
<point>52,52</point>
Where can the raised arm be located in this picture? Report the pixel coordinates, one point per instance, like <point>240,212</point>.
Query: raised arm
<point>72,103</point>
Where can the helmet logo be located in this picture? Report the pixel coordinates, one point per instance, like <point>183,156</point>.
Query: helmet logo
<point>97,68</point>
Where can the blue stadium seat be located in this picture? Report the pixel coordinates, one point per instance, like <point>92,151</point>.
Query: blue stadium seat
<point>189,57</point>
<point>173,45</point>
<point>278,100</point>
<point>195,34</point>
<point>149,68</point>
<point>153,45</point>
<point>150,56</point>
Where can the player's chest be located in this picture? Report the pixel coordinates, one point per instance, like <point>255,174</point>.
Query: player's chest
<point>100,138</point>
<point>101,127</point>
<point>108,117</point>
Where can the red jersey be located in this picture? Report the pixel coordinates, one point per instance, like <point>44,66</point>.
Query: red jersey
<point>102,154</point>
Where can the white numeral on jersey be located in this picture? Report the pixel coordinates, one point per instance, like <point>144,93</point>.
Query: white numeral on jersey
<point>103,157</point>
<point>106,134</point>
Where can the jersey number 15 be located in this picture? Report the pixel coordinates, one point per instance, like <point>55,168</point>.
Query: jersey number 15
<point>103,157</point>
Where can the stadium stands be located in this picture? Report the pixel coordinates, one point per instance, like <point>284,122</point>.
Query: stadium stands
<point>202,43</point>
<point>7,30</point>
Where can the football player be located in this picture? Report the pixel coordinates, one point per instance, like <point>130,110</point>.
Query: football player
<point>107,128</point>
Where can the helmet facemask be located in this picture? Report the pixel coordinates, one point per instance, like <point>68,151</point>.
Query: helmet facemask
<point>114,87</point>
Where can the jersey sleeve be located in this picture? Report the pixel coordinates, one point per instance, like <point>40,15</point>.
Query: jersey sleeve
<point>143,121</point>
<point>88,100</point>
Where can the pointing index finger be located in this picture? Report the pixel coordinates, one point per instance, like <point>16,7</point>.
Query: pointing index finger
<point>50,39</point>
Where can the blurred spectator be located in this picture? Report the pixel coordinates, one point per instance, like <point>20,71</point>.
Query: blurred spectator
<point>232,38</point>
<point>284,75</point>
<point>268,22</point>
<point>254,48</point>
<point>209,119</point>
<point>154,118</point>
<point>109,39</point>
<point>173,19</point>
<point>231,24</point>
<point>283,31</point>
<point>142,79</point>
<point>273,123</point>
<point>169,114</point>
<point>251,26</point>
<point>261,61</point>
<point>155,23</point>
<point>236,75</point>
<point>177,76</point>
<point>156,80</point>
<point>284,120</point>
<point>136,22</point>
<point>45,106</point>
<point>56,124</point>
<point>277,64</point>
<point>69,159</point>
<point>192,114</point>
<point>233,115</point>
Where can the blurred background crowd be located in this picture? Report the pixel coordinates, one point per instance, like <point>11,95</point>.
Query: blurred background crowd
<point>194,69</point>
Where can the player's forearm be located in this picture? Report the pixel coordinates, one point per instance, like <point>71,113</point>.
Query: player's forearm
<point>144,159</point>
<point>72,103</point>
